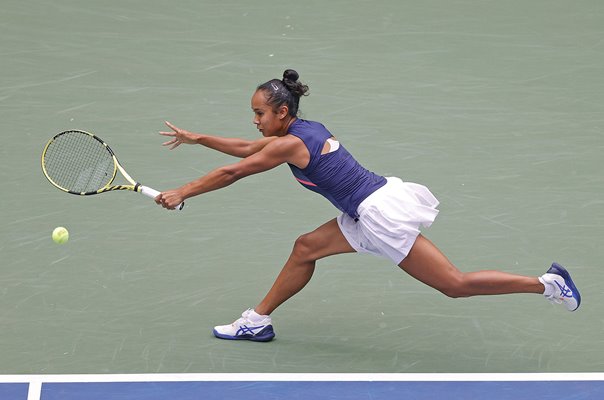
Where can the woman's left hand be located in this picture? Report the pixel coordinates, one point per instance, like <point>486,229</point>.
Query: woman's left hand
<point>179,136</point>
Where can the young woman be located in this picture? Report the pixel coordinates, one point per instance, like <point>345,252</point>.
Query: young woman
<point>381,216</point>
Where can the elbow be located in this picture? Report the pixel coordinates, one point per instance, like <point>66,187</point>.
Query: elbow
<point>230,174</point>
<point>246,151</point>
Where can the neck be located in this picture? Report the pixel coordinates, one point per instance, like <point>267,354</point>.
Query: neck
<point>287,124</point>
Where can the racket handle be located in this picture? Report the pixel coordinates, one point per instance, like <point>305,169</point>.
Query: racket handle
<point>152,193</point>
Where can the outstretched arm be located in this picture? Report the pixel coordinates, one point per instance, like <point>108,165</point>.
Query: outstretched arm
<point>232,146</point>
<point>276,152</point>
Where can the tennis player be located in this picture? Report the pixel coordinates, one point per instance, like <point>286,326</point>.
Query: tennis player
<point>380,215</point>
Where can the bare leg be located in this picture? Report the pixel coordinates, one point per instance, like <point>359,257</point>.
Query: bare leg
<point>429,265</point>
<point>324,241</point>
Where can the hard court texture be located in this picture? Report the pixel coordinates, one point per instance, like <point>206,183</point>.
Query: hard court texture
<point>496,106</point>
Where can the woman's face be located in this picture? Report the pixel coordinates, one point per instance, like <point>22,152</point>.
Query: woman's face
<point>269,122</point>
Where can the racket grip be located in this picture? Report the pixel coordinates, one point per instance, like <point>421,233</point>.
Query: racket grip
<point>152,193</point>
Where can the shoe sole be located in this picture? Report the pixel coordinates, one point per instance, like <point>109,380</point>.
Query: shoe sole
<point>265,335</point>
<point>560,270</point>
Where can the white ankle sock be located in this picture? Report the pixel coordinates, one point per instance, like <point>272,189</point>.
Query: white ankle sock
<point>255,317</point>
<point>549,288</point>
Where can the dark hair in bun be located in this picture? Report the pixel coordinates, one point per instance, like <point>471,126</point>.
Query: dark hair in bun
<point>285,92</point>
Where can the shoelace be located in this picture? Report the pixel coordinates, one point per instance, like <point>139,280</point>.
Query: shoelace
<point>241,321</point>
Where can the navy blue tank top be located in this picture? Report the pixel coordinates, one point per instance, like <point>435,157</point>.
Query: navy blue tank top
<point>335,175</point>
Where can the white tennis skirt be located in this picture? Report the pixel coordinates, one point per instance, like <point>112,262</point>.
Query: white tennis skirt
<point>390,219</point>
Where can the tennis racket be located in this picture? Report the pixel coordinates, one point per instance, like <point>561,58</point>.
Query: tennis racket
<point>81,163</point>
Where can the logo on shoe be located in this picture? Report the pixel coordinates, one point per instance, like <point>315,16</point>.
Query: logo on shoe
<point>564,291</point>
<point>244,330</point>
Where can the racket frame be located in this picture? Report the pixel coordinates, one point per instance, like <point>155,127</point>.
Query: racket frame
<point>134,186</point>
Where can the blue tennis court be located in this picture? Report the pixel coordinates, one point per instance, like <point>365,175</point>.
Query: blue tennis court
<point>325,387</point>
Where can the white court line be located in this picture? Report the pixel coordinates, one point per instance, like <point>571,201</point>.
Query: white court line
<point>393,377</point>
<point>35,389</point>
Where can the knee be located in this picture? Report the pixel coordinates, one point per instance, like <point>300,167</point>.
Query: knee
<point>453,292</point>
<point>303,248</point>
<point>455,287</point>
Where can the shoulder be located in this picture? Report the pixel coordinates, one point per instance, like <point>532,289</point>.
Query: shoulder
<point>284,149</point>
<point>302,125</point>
<point>288,148</point>
<point>287,144</point>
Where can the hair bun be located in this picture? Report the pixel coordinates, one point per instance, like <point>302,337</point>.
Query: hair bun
<point>290,75</point>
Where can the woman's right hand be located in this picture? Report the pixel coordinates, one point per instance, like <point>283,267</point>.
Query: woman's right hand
<point>179,136</point>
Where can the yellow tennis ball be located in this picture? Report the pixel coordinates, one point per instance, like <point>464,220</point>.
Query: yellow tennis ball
<point>60,235</point>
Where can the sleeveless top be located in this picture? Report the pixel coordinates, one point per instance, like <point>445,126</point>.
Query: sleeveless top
<point>335,175</point>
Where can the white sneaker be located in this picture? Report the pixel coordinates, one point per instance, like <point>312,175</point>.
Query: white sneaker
<point>563,288</point>
<point>246,329</point>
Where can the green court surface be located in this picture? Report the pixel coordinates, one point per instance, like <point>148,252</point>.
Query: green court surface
<point>496,106</point>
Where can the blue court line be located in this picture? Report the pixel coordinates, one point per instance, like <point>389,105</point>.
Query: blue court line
<point>303,386</point>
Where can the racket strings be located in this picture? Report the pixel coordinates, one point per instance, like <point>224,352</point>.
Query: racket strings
<point>78,162</point>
